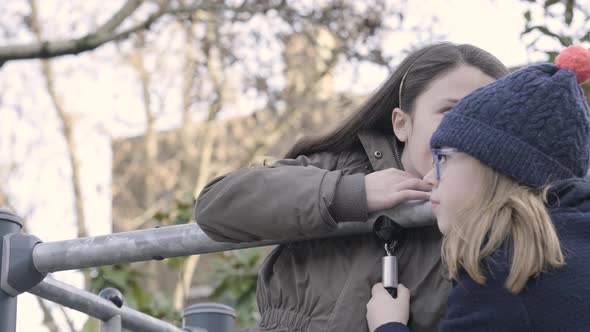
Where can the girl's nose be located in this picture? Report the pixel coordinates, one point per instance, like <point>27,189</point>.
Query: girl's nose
<point>430,177</point>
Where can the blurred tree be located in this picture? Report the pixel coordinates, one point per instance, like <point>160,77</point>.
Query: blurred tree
<point>280,54</point>
<point>218,63</point>
<point>551,25</point>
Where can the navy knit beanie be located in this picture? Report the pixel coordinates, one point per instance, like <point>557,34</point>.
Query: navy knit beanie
<point>532,125</point>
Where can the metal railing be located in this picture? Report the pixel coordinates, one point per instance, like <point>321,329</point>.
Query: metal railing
<point>99,307</point>
<point>25,261</point>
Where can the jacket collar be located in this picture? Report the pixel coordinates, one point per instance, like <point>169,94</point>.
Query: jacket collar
<point>569,193</point>
<point>382,150</point>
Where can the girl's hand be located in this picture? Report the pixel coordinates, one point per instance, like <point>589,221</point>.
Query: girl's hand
<point>387,188</point>
<point>382,308</point>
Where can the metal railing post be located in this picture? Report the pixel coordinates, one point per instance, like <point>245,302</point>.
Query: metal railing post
<point>114,324</point>
<point>9,224</point>
<point>213,317</point>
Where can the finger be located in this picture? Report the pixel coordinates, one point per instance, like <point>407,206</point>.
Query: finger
<point>379,291</point>
<point>403,293</point>
<point>375,288</point>
<point>399,173</point>
<point>409,195</point>
<point>414,184</point>
<point>373,302</point>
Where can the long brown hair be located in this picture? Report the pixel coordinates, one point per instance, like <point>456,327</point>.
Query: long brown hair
<point>503,214</point>
<point>420,68</point>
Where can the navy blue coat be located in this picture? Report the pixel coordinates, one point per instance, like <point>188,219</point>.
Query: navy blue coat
<point>558,300</point>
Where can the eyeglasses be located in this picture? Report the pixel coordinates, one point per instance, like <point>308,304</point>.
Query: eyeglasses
<point>439,157</point>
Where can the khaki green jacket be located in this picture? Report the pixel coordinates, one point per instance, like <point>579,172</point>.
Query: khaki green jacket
<point>322,285</point>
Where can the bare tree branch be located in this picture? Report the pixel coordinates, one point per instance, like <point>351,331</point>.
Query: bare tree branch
<point>150,138</point>
<point>214,62</point>
<point>68,319</point>
<point>188,151</point>
<point>68,131</point>
<point>48,320</point>
<point>106,33</point>
<point>185,280</point>
<point>67,125</point>
<point>148,214</point>
<point>119,17</point>
<point>294,113</point>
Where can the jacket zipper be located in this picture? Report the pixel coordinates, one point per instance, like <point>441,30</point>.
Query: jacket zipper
<point>396,154</point>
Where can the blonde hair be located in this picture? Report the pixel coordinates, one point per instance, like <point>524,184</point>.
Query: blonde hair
<point>503,212</point>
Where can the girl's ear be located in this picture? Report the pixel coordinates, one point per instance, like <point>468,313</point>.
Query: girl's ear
<point>402,124</point>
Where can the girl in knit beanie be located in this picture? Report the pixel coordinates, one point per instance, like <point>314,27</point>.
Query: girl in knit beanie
<point>511,199</point>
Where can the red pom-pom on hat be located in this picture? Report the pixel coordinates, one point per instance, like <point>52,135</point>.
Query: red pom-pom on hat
<point>577,59</point>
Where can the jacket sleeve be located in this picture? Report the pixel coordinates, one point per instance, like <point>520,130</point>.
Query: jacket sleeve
<point>486,308</point>
<point>290,198</point>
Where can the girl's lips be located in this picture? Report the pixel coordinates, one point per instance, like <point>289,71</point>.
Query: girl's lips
<point>435,204</point>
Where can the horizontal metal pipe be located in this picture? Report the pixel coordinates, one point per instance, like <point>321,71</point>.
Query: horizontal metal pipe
<point>95,306</point>
<point>184,240</point>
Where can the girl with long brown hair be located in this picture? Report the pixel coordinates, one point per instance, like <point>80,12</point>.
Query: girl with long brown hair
<point>373,160</point>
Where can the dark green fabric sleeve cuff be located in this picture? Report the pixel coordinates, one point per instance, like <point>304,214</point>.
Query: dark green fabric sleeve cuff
<point>350,199</point>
